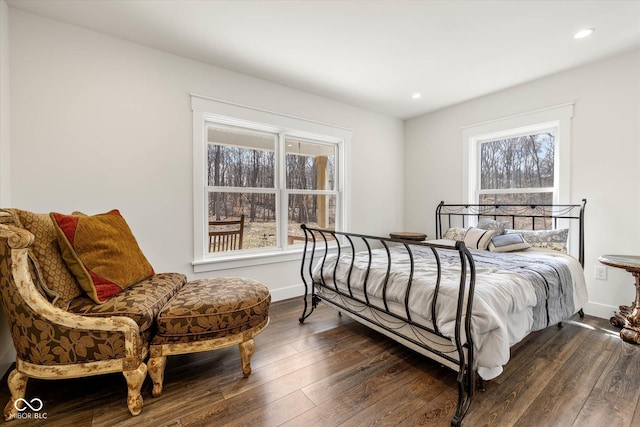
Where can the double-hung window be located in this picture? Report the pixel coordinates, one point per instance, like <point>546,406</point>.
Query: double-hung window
<point>270,173</point>
<point>522,159</point>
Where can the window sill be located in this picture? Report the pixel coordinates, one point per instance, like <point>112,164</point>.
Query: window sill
<point>227,262</point>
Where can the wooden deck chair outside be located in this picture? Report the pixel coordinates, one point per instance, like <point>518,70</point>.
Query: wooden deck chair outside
<point>226,235</point>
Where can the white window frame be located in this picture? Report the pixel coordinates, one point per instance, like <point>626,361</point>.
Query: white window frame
<point>557,117</point>
<point>208,110</point>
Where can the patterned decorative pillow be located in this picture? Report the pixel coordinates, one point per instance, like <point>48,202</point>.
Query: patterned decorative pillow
<point>56,279</point>
<point>492,224</point>
<point>508,243</point>
<point>101,252</point>
<point>477,238</point>
<point>455,233</point>
<point>547,239</point>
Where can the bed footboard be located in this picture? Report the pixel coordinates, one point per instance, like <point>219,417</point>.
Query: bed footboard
<point>358,275</point>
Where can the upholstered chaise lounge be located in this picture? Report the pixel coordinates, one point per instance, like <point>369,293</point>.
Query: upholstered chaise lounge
<point>58,331</point>
<point>81,299</point>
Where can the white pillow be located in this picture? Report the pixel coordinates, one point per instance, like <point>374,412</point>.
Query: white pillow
<point>477,238</point>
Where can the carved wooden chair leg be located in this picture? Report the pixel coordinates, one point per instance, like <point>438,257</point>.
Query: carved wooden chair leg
<point>156,367</point>
<point>135,378</point>
<point>17,386</point>
<point>246,351</point>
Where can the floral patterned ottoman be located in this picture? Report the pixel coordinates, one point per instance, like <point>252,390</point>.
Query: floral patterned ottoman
<point>209,314</point>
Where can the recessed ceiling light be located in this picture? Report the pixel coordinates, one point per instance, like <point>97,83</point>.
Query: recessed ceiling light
<point>416,95</point>
<point>583,33</point>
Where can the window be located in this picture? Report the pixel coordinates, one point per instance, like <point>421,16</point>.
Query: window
<point>519,159</point>
<point>241,165</point>
<point>310,185</point>
<point>268,172</point>
<point>519,169</point>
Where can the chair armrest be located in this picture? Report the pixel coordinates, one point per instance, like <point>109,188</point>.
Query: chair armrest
<point>60,323</point>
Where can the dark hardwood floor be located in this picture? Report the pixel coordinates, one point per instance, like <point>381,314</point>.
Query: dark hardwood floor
<point>333,371</point>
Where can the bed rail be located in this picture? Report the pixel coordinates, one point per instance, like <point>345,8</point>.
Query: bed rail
<point>321,246</point>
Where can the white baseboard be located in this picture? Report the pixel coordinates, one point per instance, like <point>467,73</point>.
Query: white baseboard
<point>599,310</point>
<point>286,293</point>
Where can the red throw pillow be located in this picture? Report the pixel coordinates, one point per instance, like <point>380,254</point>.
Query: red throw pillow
<point>101,252</point>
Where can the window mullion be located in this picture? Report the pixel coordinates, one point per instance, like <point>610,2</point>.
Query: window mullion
<point>517,190</point>
<point>313,192</point>
<point>212,188</point>
<point>282,200</point>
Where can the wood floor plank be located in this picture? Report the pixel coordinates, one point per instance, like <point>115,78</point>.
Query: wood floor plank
<point>620,377</point>
<point>601,409</point>
<point>436,412</point>
<point>298,379</point>
<point>563,398</point>
<point>276,412</point>
<point>339,383</point>
<point>614,398</point>
<point>400,405</point>
<point>345,402</point>
<point>636,416</point>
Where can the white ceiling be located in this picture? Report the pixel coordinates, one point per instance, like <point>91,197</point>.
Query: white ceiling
<point>371,54</point>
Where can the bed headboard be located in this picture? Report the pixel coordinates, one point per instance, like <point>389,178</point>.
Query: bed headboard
<point>519,217</point>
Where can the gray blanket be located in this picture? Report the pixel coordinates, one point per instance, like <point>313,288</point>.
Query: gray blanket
<point>550,278</point>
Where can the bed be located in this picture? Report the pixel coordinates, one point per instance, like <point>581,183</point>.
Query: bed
<point>493,274</point>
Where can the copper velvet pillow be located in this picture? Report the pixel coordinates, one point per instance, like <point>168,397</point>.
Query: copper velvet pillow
<point>101,252</point>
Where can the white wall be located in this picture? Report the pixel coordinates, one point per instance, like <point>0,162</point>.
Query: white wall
<point>604,160</point>
<point>7,353</point>
<point>5,190</point>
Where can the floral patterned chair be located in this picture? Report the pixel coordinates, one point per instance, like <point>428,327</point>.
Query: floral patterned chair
<point>57,330</point>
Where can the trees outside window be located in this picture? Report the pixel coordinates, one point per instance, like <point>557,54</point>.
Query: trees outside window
<point>518,170</point>
<point>244,179</point>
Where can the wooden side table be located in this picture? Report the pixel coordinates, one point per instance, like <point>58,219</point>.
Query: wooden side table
<point>629,317</point>
<point>408,235</point>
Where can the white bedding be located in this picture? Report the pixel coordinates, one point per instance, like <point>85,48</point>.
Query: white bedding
<point>503,303</point>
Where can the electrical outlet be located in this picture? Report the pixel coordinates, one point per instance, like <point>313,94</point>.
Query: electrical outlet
<point>601,273</point>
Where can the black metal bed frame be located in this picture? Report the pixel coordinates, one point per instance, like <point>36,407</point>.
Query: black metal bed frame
<point>320,242</point>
